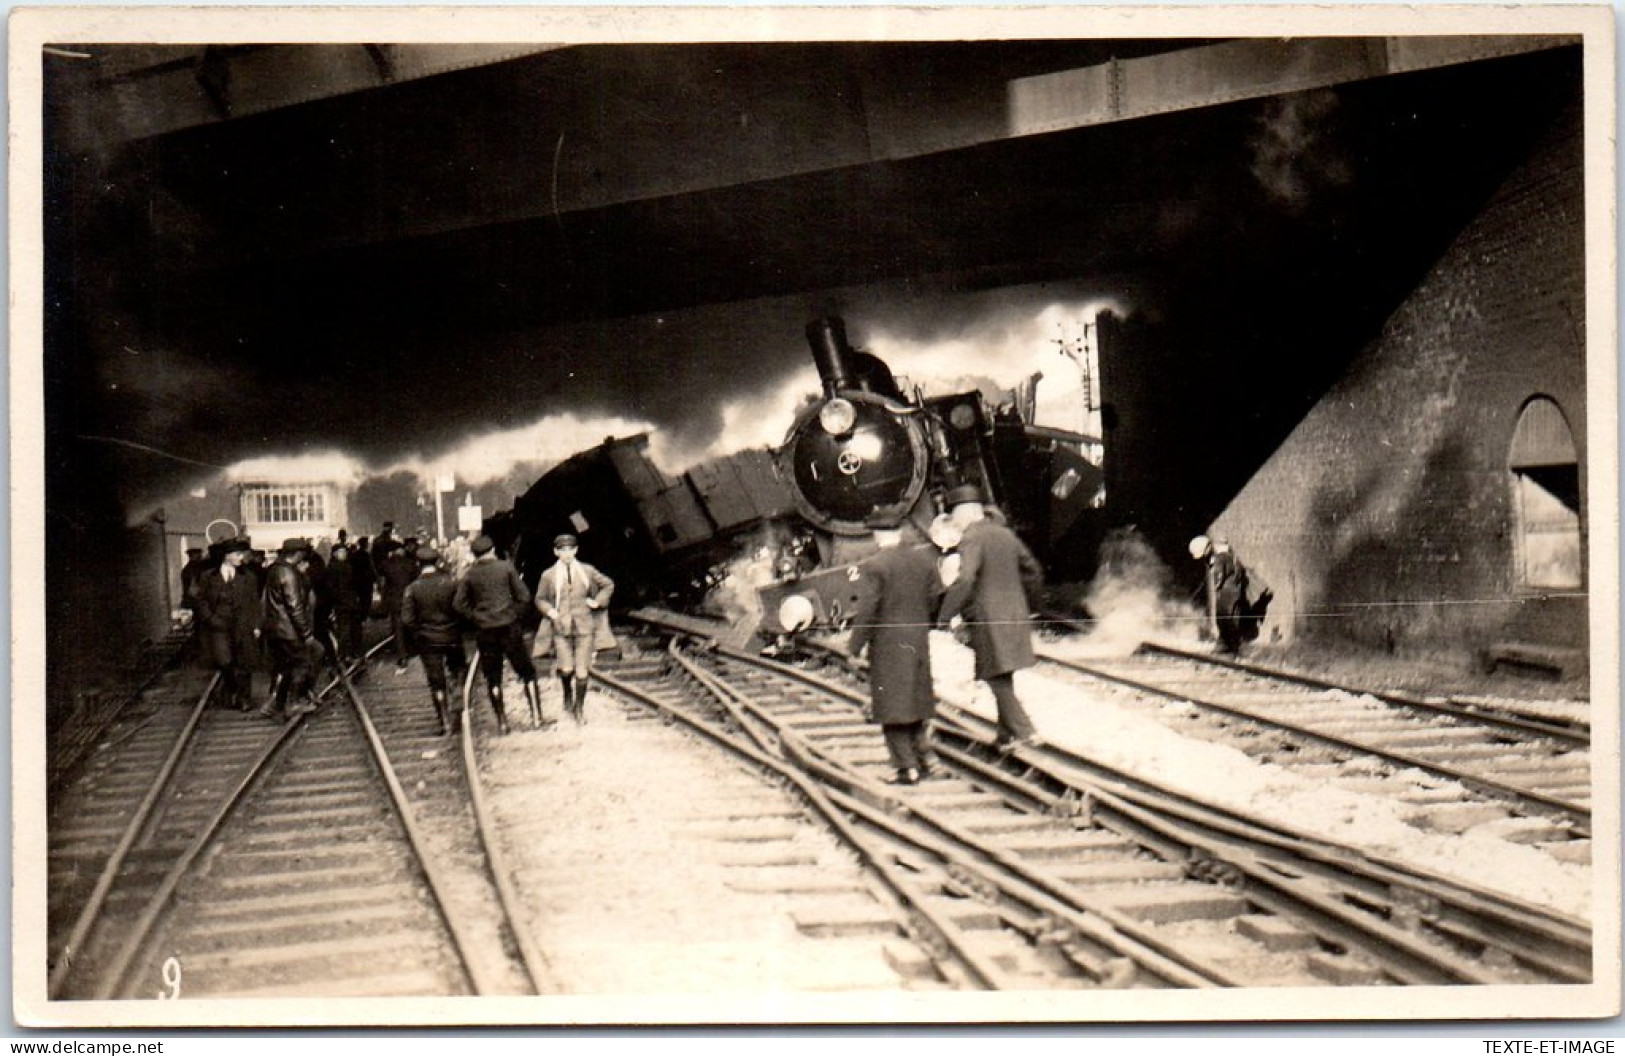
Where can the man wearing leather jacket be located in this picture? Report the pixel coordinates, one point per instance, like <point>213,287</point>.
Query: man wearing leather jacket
<point>290,633</point>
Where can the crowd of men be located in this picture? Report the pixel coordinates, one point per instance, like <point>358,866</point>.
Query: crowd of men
<point>300,610</point>
<point>292,612</point>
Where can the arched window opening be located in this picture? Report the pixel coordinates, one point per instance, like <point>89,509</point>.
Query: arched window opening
<point>1545,499</point>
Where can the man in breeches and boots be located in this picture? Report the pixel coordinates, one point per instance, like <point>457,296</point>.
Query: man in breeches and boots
<point>998,585</point>
<point>573,598</point>
<point>228,612</point>
<point>429,616</point>
<point>492,597</point>
<point>290,632</point>
<point>893,621</point>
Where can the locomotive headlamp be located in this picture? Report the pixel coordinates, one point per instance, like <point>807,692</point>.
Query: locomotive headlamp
<point>962,416</point>
<point>837,417</point>
<point>867,445</point>
<point>795,613</point>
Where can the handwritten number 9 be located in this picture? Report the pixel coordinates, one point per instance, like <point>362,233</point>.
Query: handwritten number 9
<point>172,979</point>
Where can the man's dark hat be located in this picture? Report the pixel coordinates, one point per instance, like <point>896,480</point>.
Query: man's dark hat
<point>565,540</point>
<point>294,545</point>
<point>235,546</point>
<point>426,554</point>
<point>482,545</point>
<point>194,549</point>
<point>964,493</point>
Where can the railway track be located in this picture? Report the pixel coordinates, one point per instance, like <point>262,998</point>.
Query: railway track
<point>1452,767</point>
<point>1043,870</point>
<point>334,854</point>
<point>204,853</point>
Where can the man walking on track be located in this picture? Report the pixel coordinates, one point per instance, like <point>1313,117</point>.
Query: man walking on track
<point>290,633</point>
<point>996,590</point>
<point>893,621</point>
<point>492,597</point>
<point>429,615</point>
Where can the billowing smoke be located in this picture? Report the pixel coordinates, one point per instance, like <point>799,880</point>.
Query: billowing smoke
<point>747,422</point>
<point>1293,152</point>
<point>734,384</point>
<point>993,345</point>
<point>1133,599</point>
<point>754,566</point>
<point>1000,351</point>
<point>317,467</point>
<point>493,456</point>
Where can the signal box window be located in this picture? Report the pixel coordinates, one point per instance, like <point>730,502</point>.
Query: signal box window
<point>289,507</point>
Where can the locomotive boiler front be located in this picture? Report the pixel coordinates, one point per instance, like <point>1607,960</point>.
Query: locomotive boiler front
<point>862,450</point>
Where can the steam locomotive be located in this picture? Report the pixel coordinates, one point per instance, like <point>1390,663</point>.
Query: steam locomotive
<point>862,453</point>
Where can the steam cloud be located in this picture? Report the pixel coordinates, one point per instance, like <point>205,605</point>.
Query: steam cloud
<point>1132,600</point>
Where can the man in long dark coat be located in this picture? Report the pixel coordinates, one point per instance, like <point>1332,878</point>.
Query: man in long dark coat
<point>398,568</point>
<point>344,595</point>
<point>996,590</point>
<point>228,612</point>
<point>893,622</point>
<point>1236,598</point>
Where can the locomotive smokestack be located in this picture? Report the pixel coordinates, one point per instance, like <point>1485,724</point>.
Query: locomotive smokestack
<point>830,351</point>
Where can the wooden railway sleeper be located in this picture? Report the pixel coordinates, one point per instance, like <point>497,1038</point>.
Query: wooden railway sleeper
<point>1115,933</point>
<point>980,971</point>
<point>1520,926</point>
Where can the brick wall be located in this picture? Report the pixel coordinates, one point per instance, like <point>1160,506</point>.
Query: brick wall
<point>1386,516</point>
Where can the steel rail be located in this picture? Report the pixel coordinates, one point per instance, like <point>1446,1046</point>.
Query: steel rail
<point>1402,954</point>
<point>91,911</point>
<point>1408,959</point>
<point>113,980</point>
<point>936,933</point>
<point>537,967</point>
<point>1573,813</point>
<point>79,751</point>
<point>1572,734</point>
<point>1509,923</point>
<point>1514,924</point>
<point>982,970</point>
<point>1024,880</point>
<point>1252,827</point>
<point>439,883</point>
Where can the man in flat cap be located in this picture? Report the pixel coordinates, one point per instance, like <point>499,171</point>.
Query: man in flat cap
<point>492,597</point>
<point>995,592</point>
<point>228,613</point>
<point>573,598</point>
<point>290,633</point>
<point>429,614</point>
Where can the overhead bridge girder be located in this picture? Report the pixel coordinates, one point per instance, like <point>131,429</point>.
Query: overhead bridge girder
<point>143,91</point>
<point>150,90</point>
<point>1233,71</point>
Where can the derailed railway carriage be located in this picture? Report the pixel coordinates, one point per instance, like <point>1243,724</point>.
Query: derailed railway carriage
<point>863,450</point>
